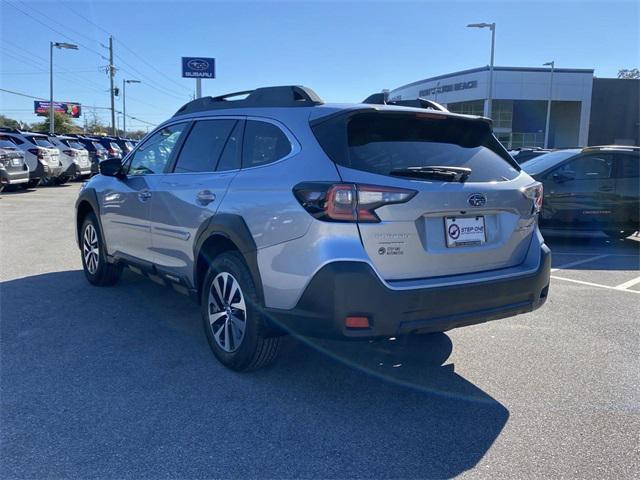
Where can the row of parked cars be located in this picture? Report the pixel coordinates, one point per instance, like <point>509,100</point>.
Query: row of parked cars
<point>28,159</point>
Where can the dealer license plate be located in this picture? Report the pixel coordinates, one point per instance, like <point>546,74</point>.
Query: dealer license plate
<point>464,231</point>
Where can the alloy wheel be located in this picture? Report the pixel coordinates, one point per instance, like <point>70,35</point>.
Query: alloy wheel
<point>227,312</point>
<point>90,249</point>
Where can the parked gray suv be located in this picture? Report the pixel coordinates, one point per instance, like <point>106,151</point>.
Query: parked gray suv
<point>280,213</point>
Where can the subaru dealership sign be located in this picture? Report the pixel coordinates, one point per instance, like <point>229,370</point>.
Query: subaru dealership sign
<point>198,67</point>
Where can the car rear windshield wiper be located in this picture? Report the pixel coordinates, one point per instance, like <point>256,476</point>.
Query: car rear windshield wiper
<point>448,174</point>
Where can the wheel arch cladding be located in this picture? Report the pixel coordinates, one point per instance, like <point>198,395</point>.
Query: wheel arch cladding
<point>87,203</point>
<point>222,233</point>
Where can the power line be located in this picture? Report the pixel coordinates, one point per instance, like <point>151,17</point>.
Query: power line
<point>13,92</point>
<point>85,18</point>
<point>139,57</point>
<point>152,66</point>
<point>53,29</point>
<point>149,81</point>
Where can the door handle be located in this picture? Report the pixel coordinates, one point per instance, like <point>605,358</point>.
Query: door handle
<point>144,195</point>
<point>205,197</point>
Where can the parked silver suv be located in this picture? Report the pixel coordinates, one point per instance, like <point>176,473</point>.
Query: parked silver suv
<point>280,213</point>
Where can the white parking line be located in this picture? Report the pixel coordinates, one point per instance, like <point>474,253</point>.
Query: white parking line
<point>578,254</point>
<point>630,283</point>
<point>579,262</point>
<point>608,287</point>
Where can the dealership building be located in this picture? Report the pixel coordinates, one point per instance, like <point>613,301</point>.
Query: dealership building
<point>585,110</point>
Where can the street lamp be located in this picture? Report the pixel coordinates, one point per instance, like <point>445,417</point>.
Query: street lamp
<point>546,128</point>
<point>124,105</point>
<point>491,26</point>
<point>68,46</point>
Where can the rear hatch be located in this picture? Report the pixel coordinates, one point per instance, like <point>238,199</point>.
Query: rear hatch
<point>468,214</point>
<point>10,157</point>
<point>50,153</point>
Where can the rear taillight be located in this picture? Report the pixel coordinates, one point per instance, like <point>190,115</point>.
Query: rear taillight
<point>38,152</point>
<point>535,194</point>
<point>347,202</point>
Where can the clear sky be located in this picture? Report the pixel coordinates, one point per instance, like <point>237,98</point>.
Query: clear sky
<point>343,50</point>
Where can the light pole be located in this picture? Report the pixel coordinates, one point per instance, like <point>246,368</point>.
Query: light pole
<point>124,105</point>
<point>492,27</point>
<point>69,46</point>
<point>546,128</point>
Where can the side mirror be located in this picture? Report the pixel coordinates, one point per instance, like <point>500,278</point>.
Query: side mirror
<point>112,167</point>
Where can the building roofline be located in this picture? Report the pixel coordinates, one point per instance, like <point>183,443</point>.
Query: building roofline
<point>497,69</point>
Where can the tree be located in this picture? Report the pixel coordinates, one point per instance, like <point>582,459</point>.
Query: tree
<point>136,134</point>
<point>94,125</point>
<point>63,124</point>
<point>629,73</point>
<point>9,122</point>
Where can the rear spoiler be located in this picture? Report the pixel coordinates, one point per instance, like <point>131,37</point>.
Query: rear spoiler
<point>383,99</point>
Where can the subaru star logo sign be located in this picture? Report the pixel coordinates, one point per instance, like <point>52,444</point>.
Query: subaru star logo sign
<point>198,64</point>
<point>198,67</point>
<point>477,200</point>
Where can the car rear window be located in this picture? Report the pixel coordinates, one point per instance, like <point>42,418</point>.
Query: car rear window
<point>6,143</point>
<point>40,141</point>
<point>544,162</point>
<point>73,144</point>
<point>380,142</point>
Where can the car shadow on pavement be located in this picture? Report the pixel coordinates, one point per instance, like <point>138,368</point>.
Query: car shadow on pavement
<point>119,382</point>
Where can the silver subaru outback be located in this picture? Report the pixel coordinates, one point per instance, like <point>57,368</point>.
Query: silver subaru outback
<point>282,214</point>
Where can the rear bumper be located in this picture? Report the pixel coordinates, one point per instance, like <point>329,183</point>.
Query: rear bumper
<point>14,177</point>
<point>74,170</point>
<point>52,171</point>
<point>342,289</point>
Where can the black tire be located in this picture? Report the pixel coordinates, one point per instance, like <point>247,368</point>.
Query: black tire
<point>98,271</point>
<point>30,184</point>
<point>61,180</point>
<point>254,349</point>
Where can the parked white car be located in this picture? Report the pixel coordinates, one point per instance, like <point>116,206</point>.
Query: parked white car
<point>73,156</point>
<point>42,158</point>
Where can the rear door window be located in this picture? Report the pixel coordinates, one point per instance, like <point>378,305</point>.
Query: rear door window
<point>383,142</point>
<point>203,146</point>
<point>263,143</point>
<point>628,165</point>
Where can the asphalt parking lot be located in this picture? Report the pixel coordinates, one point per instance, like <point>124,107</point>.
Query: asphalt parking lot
<point>120,382</point>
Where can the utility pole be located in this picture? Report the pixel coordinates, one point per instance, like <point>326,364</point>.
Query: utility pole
<point>112,73</point>
<point>52,120</point>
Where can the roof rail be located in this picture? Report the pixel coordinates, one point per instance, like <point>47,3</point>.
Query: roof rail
<point>611,147</point>
<point>282,96</point>
<point>9,130</point>
<point>383,99</point>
